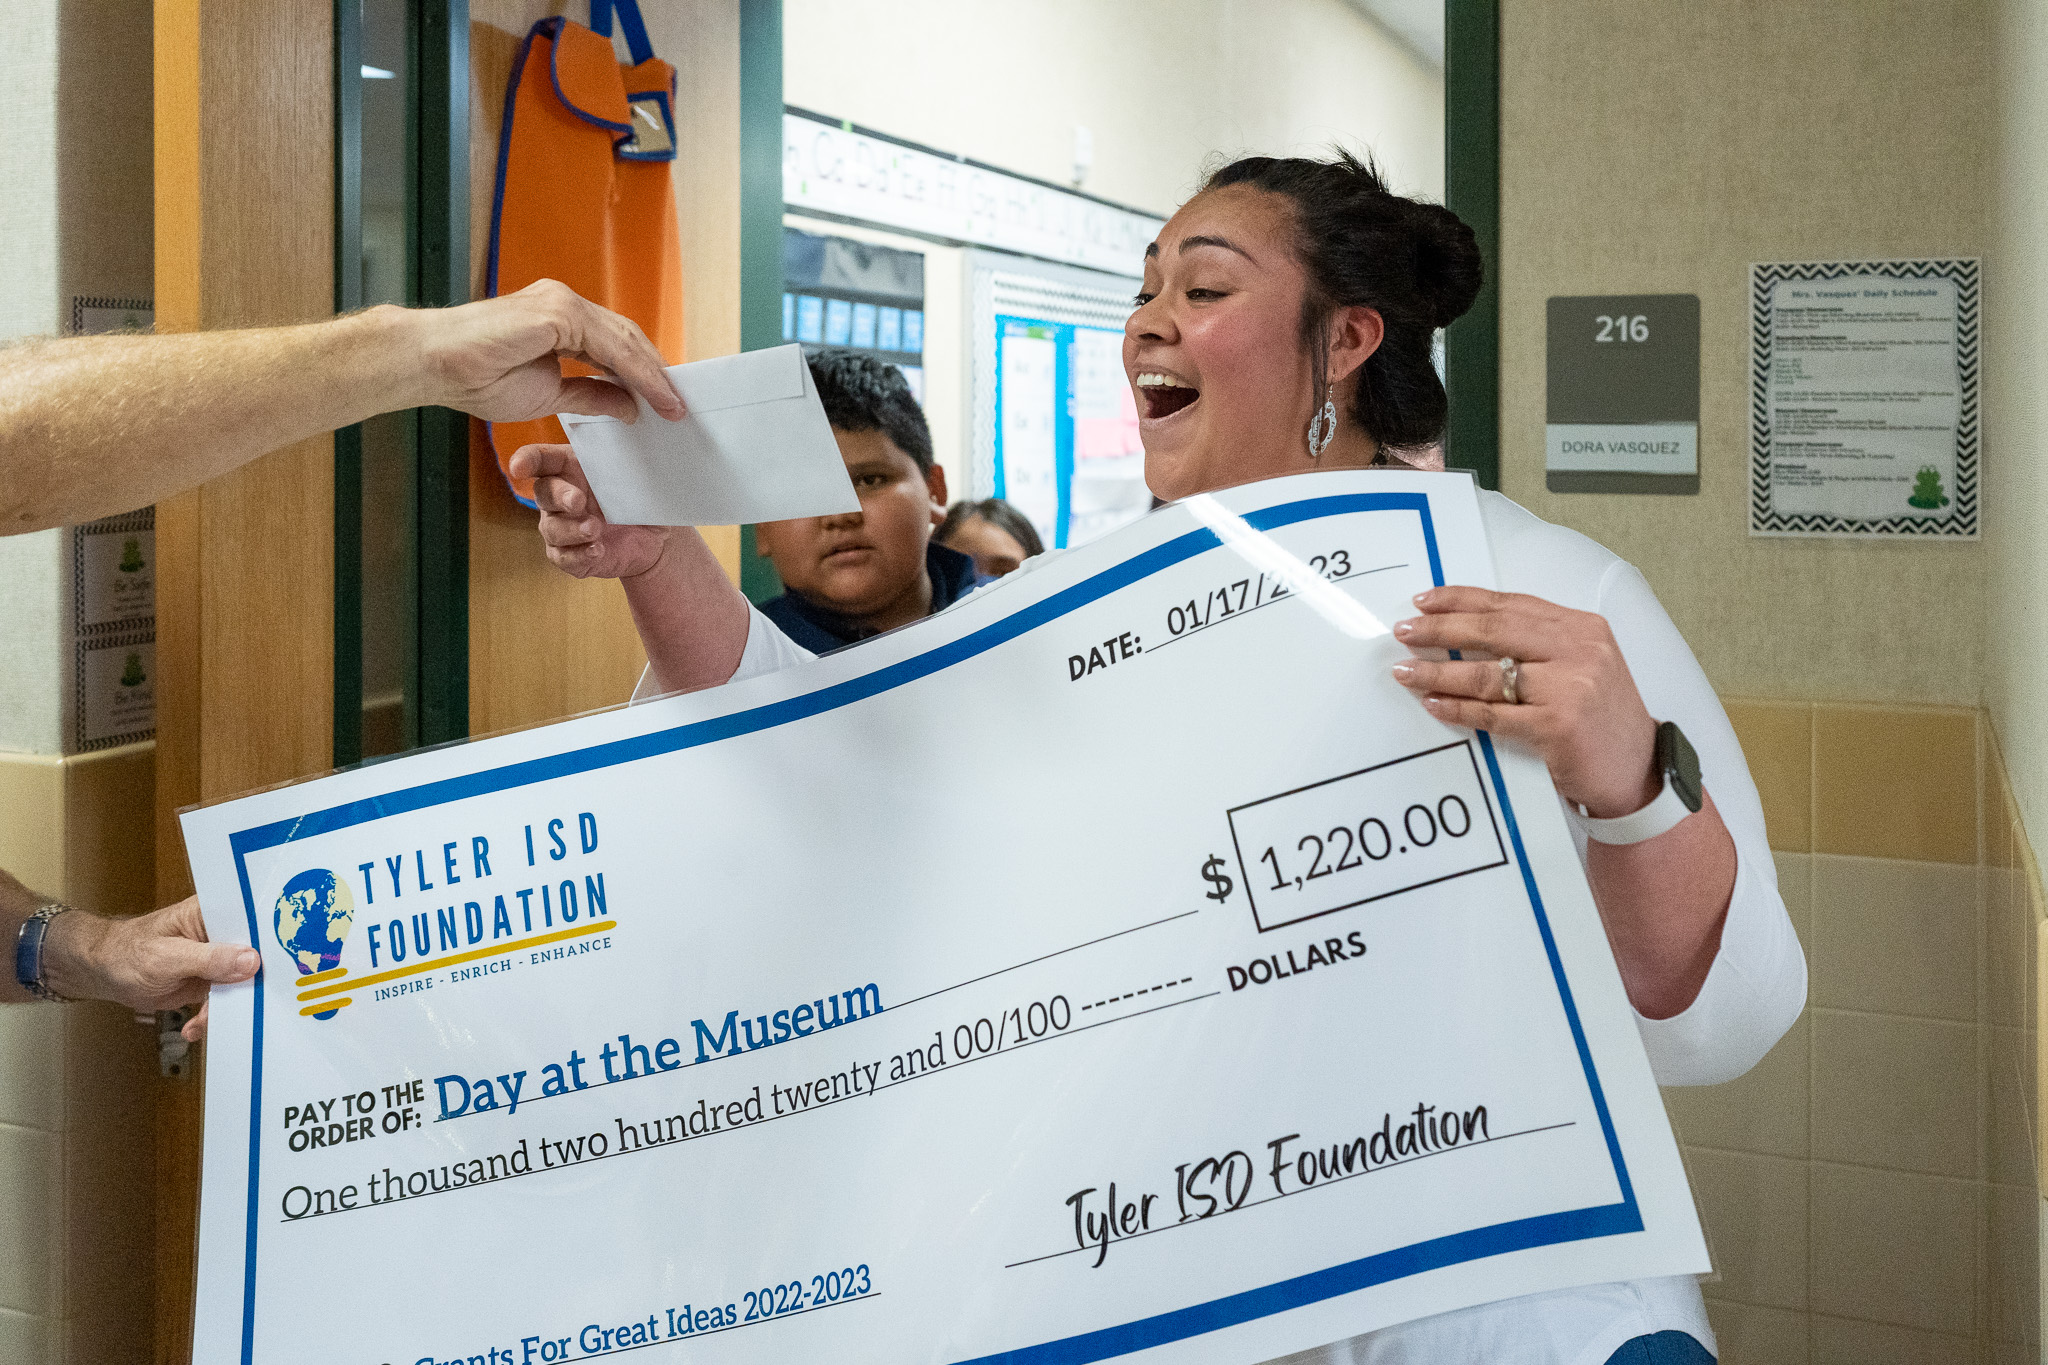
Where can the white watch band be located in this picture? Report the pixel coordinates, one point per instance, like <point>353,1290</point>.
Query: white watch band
<point>1652,820</point>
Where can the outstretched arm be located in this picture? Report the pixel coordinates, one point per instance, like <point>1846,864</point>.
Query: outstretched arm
<point>91,426</point>
<point>693,622</point>
<point>151,962</point>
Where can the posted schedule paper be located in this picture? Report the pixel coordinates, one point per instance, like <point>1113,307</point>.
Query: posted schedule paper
<point>1212,1002</point>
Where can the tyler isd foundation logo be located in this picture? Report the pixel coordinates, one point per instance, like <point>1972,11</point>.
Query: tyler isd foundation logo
<point>314,914</point>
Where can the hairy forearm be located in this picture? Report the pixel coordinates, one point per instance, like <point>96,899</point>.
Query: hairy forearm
<point>181,409</point>
<point>1664,901</point>
<point>693,622</point>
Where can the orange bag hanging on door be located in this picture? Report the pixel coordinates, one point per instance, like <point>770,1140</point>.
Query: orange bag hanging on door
<point>583,189</point>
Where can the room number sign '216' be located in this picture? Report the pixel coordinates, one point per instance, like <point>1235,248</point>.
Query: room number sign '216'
<point>1623,328</point>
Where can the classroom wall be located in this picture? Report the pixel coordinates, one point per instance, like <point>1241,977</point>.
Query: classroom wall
<point>2016,427</point>
<point>77,1082</point>
<point>2015,617</point>
<point>1662,149</point>
<point>30,616</point>
<point>1869,1190</point>
<point>1162,84</point>
<point>75,158</point>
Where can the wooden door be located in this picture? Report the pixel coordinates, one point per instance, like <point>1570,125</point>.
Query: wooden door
<point>244,236</point>
<point>244,213</point>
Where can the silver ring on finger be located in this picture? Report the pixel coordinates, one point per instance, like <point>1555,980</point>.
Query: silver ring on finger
<point>1511,682</point>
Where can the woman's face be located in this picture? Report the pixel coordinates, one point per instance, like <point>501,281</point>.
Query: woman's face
<point>1214,351</point>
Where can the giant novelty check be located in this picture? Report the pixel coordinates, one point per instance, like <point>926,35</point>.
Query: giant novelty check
<point>1119,962</point>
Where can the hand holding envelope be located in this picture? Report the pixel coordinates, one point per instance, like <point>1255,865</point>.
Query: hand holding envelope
<point>754,445</point>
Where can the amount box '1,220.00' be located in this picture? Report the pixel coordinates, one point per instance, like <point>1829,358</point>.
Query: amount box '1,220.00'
<point>1366,835</point>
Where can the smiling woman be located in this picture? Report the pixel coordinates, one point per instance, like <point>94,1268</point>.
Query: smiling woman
<point>1299,286</point>
<point>1284,327</point>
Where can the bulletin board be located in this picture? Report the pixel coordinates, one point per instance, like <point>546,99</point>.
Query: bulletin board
<point>1067,453</point>
<point>1056,424</point>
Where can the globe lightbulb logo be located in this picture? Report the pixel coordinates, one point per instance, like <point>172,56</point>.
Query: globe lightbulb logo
<point>313,915</point>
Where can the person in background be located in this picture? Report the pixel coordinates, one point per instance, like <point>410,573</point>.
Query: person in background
<point>93,426</point>
<point>852,576</point>
<point>847,577</point>
<point>996,535</point>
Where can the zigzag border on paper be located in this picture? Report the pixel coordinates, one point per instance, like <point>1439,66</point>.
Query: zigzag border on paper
<point>81,302</point>
<point>1961,523</point>
<point>137,630</point>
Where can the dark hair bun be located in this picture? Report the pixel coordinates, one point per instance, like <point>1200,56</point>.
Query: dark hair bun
<point>1416,264</point>
<point>1448,270</point>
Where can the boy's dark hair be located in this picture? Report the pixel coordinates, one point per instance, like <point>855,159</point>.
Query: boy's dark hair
<point>861,393</point>
<point>996,513</point>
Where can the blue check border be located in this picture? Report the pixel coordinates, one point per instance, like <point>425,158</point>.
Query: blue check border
<point>1547,1230</point>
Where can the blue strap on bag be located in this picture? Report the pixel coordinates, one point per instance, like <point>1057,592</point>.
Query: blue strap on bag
<point>629,19</point>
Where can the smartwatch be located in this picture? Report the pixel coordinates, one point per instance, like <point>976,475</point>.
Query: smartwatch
<point>1682,795</point>
<point>28,952</point>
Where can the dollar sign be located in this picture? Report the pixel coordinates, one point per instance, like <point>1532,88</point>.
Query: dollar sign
<point>1212,872</point>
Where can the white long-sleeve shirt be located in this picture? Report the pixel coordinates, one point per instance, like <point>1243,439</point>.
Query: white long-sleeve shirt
<point>1752,994</point>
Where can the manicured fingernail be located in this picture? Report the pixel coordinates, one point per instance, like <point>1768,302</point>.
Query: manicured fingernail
<point>249,960</point>
<point>1404,671</point>
<point>1403,629</point>
<point>1422,598</point>
<point>1435,703</point>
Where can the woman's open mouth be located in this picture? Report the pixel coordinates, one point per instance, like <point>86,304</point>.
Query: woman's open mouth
<point>1163,395</point>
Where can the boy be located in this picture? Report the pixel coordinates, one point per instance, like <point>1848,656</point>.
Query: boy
<point>849,576</point>
<point>854,575</point>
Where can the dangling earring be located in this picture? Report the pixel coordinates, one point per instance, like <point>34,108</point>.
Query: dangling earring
<point>1322,428</point>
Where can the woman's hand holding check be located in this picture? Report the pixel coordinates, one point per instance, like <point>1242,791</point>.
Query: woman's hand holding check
<point>1576,704</point>
<point>1555,680</point>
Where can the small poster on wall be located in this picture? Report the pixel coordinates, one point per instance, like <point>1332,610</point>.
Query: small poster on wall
<point>1863,399</point>
<point>113,617</point>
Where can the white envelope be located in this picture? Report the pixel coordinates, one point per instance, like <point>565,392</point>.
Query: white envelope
<point>755,446</point>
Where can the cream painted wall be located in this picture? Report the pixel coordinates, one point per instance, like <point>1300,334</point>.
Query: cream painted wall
<point>2016,434</point>
<point>107,151</point>
<point>75,148</point>
<point>1164,85</point>
<point>1663,148</point>
<point>28,167</point>
<point>30,620</point>
<point>32,642</point>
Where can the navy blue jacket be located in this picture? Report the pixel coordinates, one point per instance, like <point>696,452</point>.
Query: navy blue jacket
<point>822,630</point>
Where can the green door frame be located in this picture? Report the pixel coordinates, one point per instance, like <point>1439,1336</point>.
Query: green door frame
<point>437,241</point>
<point>348,442</point>
<point>760,220</point>
<point>441,57</point>
<point>1472,191</point>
